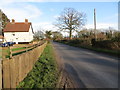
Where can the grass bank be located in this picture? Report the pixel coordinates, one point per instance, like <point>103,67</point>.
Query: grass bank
<point>44,73</point>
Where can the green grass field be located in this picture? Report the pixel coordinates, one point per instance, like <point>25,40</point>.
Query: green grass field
<point>44,73</point>
<point>20,48</point>
<point>6,51</point>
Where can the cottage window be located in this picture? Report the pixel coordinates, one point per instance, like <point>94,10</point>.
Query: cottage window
<point>13,34</point>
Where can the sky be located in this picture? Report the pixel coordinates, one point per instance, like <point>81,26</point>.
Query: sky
<point>43,13</point>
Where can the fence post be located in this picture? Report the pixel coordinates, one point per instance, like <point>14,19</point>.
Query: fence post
<point>0,73</point>
<point>10,52</point>
<point>26,48</point>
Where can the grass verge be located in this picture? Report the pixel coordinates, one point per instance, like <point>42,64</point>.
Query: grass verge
<point>44,73</point>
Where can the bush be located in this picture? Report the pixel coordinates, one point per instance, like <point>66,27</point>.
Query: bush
<point>76,41</point>
<point>107,44</point>
<point>116,39</point>
<point>93,42</point>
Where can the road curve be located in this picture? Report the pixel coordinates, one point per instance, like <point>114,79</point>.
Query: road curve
<point>89,69</point>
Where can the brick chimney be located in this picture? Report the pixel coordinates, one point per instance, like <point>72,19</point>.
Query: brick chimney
<point>13,21</point>
<point>26,20</point>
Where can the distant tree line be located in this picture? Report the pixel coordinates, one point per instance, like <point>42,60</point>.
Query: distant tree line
<point>3,20</point>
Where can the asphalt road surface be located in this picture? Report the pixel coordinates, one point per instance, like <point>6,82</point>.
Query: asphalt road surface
<point>89,69</point>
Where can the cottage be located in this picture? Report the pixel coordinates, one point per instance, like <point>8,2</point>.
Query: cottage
<point>18,32</point>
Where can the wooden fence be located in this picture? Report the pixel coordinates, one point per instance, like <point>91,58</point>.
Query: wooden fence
<point>0,75</point>
<point>25,48</point>
<point>14,70</point>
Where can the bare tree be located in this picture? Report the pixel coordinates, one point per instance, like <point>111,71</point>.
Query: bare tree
<point>70,20</point>
<point>3,21</point>
<point>38,35</point>
<point>48,34</point>
<point>57,35</point>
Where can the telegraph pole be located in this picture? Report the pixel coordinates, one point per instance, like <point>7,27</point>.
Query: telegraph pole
<point>95,24</point>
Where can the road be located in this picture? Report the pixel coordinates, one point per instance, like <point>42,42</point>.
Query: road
<point>89,69</point>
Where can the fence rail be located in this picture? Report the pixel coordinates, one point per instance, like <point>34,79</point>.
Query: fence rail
<point>15,69</point>
<point>25,49</point>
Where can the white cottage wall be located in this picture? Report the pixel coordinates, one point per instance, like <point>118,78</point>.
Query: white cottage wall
<point>18,36</point>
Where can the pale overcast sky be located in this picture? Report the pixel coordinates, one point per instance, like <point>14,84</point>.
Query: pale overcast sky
<point>43,13</point>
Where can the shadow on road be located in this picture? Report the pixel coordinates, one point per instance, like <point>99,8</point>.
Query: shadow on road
<point>72,72</point>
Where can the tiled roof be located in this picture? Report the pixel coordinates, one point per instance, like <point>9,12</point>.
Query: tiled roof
<point>17,27</point>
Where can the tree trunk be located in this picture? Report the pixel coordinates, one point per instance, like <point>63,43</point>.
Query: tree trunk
<point>70,34</point>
